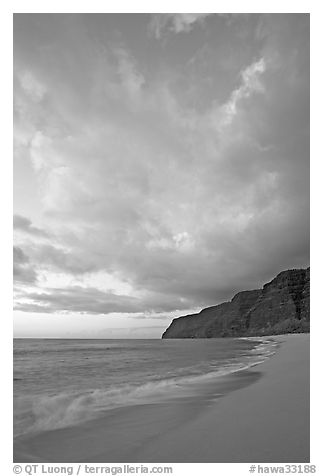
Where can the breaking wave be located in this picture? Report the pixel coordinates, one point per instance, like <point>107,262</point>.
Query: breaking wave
<point>49,412</point>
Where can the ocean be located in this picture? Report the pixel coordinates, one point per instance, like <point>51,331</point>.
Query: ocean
<point>61,383</point>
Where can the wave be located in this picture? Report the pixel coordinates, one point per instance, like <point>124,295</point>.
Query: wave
<point>265,347</point>
<point>49,412</point>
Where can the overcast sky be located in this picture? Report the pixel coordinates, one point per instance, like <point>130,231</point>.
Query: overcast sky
<point>161,164</point>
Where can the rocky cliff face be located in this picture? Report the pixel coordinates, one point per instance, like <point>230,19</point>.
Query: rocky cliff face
<point>280,307</point>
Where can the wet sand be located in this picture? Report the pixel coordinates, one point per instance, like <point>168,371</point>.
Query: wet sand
<point>258,415</point>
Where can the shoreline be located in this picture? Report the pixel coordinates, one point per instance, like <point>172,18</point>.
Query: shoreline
<point>267,421</point>
<point>257,415</point>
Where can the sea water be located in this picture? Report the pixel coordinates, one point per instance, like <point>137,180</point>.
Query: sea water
<point>64,382</point>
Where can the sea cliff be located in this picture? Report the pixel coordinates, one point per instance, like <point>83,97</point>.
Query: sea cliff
<point>281,306</point>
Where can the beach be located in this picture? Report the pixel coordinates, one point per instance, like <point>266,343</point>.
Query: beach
<point>256,415</point>
<point>267,421</point>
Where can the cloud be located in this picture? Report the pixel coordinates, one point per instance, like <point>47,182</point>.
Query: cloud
<point>250,84</point>
<point>23,271</point>
<point>69,261</point>
<point>25,225</point>
<point>131,78</point>
<point>32,86</point>
<point>185,200</point>
<point>175,22</point>
<point>77,299</point>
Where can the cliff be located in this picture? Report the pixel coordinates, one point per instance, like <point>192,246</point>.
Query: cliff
<point>281,306</point>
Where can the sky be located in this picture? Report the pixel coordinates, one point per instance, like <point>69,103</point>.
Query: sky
<point>161,164</point>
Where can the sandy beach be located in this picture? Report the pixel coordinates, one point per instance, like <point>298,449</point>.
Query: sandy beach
<point>258,415</point>
<point>267,421</point>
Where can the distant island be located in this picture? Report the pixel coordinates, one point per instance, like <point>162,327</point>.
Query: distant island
<point>282,306</point>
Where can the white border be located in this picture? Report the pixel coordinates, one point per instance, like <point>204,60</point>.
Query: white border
<point>316,198</point>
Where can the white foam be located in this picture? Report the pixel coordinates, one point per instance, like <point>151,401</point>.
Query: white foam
<point>40,413</point>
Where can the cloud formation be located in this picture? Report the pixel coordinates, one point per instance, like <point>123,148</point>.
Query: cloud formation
<point>78,299</point>
<point>177,172</point>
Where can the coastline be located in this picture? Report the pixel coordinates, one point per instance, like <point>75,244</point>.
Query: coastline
<point>263,416</point>
<point>267,421</point>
